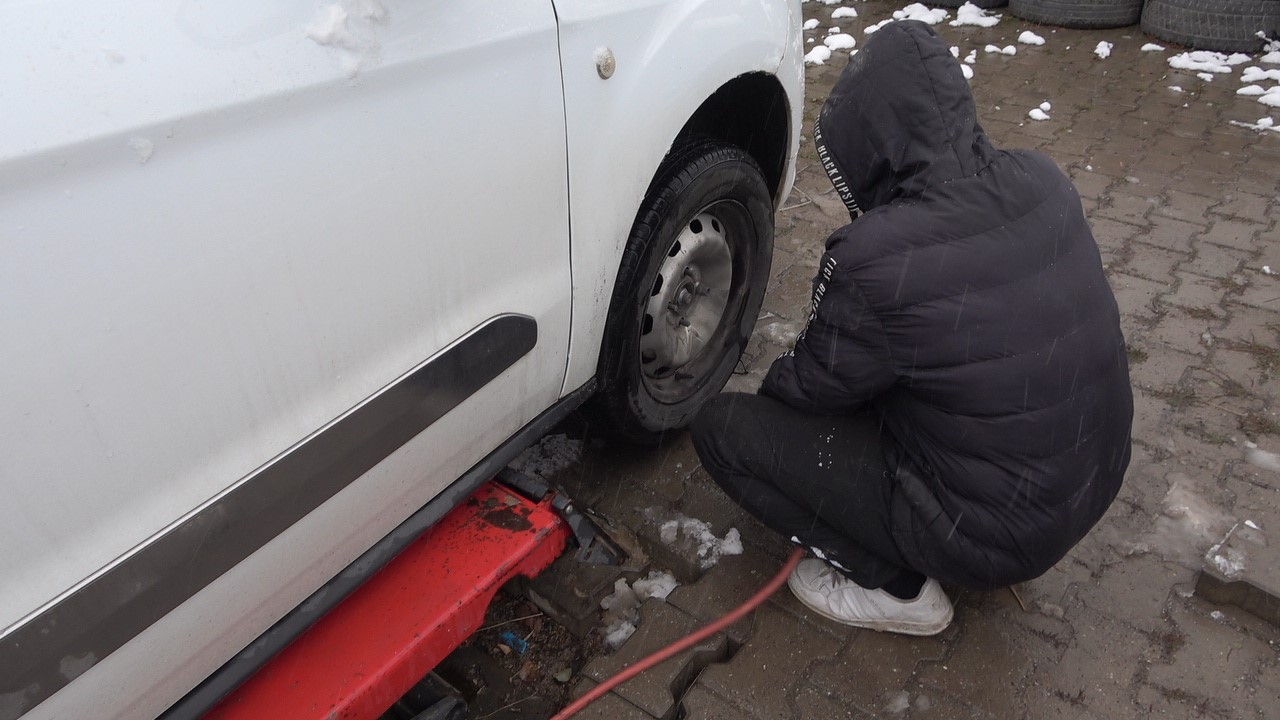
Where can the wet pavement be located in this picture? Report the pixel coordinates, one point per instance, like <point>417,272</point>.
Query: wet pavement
<point>1184,206</point>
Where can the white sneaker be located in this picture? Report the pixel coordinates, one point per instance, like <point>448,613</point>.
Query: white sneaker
<point>825,591</point>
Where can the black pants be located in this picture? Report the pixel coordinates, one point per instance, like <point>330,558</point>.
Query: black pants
<point>820,480</point>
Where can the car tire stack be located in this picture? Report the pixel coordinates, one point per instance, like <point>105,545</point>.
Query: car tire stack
<point>1225,25</point>
<point>1090,14</point>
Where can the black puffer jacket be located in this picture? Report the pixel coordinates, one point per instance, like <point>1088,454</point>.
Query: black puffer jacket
<point>968,307</point>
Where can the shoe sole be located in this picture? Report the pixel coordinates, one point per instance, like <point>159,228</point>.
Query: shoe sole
<point>916,629</point>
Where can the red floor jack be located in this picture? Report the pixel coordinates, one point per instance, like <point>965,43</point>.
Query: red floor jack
<point>366,653</point>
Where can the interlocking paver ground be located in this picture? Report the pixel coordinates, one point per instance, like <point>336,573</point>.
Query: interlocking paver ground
<point>1185,209</point>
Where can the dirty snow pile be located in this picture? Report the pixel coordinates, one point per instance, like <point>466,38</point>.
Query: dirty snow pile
<point>552,455</point>
<point>970,14</point>
<point>696,535</point>
<point>844,12</point>
<point>622,606</point>
<point>1041,113</point>
<point>1029,38</point>
<point>1103,50</point>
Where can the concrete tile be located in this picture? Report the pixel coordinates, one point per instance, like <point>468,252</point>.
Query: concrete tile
<point>609,707</point>
<point>779,647</point>
<point>874,666</point>
<point>734,579</point>
<point>1179,205</point>
<point>819,702</point>
<point>1170,233</point>
<point>1200,643</point>
<point>988,665</point>
<point>701,704</point>
<point>1246,206</point>
<point>660,625</point>
<point>1151,262</point>
<point>1215,261</point>
<point>1233,233</point>
<point>1196,293</point>
<point>1136,295</point>
<point>1099,668</point>
<point>1134,592</point>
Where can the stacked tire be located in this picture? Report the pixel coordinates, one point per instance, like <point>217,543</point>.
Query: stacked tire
<point>980,3</point>
<point>1092,14</point>
<point>1225,25</point>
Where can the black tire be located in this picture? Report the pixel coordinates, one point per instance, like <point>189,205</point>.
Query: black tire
<point>957,3</point>
<point>1225,25</point>
<point>1079,13</point>
<point>707,181</point>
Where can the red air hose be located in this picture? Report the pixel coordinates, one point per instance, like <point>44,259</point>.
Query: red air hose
<point>688,641</point>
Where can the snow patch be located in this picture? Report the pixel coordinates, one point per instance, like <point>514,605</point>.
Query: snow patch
<point>967,72</point>
<point>697,534</point>
<point>1045,106</point>
<point>1038,114</point>
<point>1230,562</point>
<point>350,26</point>
<point>1253,74</point>
<point>841,41</point>
<point>1207,77</point>
<point>1201,61</point>
<point>844,12</point>
<point>549,457</point>
<point>1029,38</point>
<point>1262,125</point>
<point>1272,98</point>
<point>1176,88</point>
<point>1006,50</point>
<point>1103,49</point>
<point>810,24</point>
<point>972,57</point>
<point>1251,90</point>
<point>1271,57</point>
<point>1151,47</point>
<point>819,55</point>
<point>970,14</point>
<point>622,606</point>
<point>918,11</point>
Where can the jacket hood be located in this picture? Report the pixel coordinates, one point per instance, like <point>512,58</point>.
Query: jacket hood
<point>900,119</point>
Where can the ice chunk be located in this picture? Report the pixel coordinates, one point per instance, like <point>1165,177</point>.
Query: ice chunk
<point>1103,49</point>
<point>1038,114</point>
<point>657,584</point>
<point>618,632</point>
<point>1045,106</point>
<point>1151,47</point>
<point>1029,38</point>
<point>972,57</point>
<point>844,12</point>
<point>697,534</point>
<point>955,52</point>
<point>967,72</point>
<point>970,14</point>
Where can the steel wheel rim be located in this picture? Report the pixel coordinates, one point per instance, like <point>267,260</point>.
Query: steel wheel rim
<point>689,303</point>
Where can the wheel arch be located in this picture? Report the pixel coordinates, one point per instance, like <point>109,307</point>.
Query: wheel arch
<point>753,112</point>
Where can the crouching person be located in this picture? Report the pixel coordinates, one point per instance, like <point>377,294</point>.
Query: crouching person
<point>958,407</point>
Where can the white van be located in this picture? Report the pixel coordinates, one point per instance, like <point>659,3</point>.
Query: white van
<point>283,280</point>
